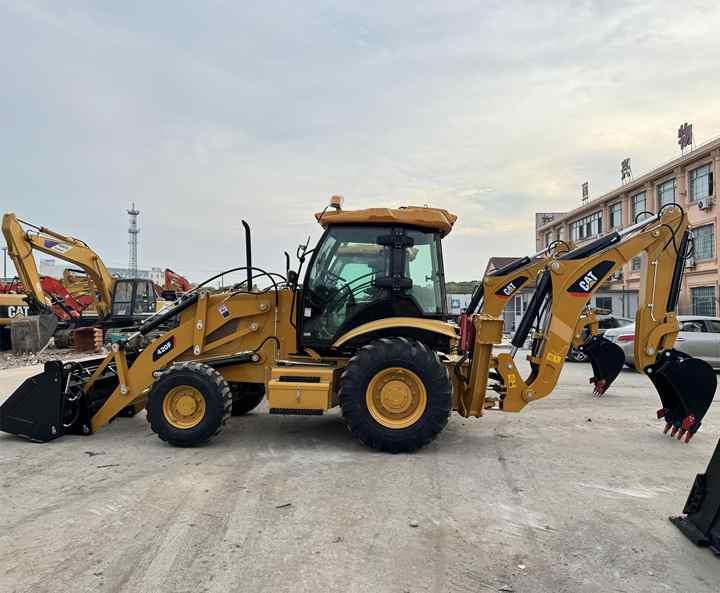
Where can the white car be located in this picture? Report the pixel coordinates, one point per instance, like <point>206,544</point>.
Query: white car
<point>699,337</point>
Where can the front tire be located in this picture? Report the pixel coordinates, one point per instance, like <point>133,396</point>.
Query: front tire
<point>189,404</point>
<point>395,395</point>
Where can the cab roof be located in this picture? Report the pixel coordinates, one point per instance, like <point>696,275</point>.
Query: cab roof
<point>435,219</point>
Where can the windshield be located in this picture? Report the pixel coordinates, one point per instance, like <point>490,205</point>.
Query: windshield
<point>363,273</point>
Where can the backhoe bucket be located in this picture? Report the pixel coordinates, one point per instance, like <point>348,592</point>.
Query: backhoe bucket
<point>701,523</point>
<point>607,360</point>
<point>686,387</point>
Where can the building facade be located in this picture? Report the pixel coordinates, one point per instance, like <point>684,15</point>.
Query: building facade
<point>688,181</point>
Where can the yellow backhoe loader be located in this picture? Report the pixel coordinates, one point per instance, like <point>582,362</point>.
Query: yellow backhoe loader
<point>117,302</point>
<point>365,331</point>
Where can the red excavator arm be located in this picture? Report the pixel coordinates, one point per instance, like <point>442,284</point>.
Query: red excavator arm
<point>64,305</point>
<point>174,285</point>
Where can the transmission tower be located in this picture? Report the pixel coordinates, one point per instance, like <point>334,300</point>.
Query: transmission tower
<point>133,231</point>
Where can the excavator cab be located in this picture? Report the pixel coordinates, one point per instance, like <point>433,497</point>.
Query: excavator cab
<point>133,297</point>
<point>361,273</point>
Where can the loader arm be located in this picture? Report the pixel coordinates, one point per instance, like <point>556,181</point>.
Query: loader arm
<point>22,242</point>
<point>686,386</point>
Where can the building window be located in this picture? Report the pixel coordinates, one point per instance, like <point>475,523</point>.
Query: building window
<point>604,302</point>
<point>587,227</point>
<point>699,183</point>
<point>518,305</point>
<point>666,192</point>
<point>635,264</point>
<point>704,242</point>
<point>639,206</point>
<point>703,300</point>
<point>615,215</point>
<point>548,238</point>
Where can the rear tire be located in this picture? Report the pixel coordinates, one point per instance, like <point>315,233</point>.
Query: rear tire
<point>395,395</point>
<point>189,404</point>
<point>246,397</point>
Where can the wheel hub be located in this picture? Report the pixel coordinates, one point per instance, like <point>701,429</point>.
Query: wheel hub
<point>184,406</point>
<point>396,397</point>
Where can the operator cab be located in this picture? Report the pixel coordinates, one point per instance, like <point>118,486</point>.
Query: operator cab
<point>373,264</point>
<point>133,297</point>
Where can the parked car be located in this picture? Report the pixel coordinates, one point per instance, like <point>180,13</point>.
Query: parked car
<point>699,336</point>
<point>605,323</point>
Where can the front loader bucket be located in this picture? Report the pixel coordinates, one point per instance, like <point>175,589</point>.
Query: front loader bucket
<point>686,387</point>
<point>701,523</point>
<point>35,409</point>
<point>52,403</point>
<point>607,360</point>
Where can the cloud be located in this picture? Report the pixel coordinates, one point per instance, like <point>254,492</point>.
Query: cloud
<point>208,114</point>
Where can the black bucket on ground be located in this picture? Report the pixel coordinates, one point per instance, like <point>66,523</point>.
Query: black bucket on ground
<point>53,403</point>
<point>607,360</point>
<point>686,387</point>
<point>701,523</point>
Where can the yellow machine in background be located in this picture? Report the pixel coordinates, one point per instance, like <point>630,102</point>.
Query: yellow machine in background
<point>365,331</point>
<point>115,302</point>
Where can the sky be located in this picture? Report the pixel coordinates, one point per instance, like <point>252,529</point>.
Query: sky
<point>207,113</point>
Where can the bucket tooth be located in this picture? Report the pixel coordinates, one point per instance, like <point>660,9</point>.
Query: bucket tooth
<point>607,360</point>
<point>686,387</point>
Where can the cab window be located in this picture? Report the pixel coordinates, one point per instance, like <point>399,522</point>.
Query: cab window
<point>422,268</point>
<point>122,298</point>
<point>144,298</point>
<point>363,273</point>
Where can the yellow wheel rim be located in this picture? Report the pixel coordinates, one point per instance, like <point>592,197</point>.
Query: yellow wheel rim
<point>184,407</point>
<point>396,397</point>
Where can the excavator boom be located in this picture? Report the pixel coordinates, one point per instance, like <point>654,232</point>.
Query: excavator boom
<point>493,293</point>
<point>22,242</point>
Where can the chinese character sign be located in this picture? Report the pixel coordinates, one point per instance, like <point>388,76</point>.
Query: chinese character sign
<point>585,191</point>
<point>625,170</point>
<point>685,136</point>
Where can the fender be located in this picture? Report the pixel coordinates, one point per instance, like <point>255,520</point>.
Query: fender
<point>430,325</point>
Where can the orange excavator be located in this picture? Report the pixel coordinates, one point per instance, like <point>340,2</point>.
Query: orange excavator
<point>174,286</point>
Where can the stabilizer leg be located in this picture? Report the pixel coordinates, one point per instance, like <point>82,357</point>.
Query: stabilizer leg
<point>701,523</point>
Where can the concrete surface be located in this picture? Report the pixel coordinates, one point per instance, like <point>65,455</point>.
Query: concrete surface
<point>571,495</point>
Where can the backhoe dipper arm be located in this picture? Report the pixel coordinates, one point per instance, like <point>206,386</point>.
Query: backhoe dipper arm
<point>21,244</point>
